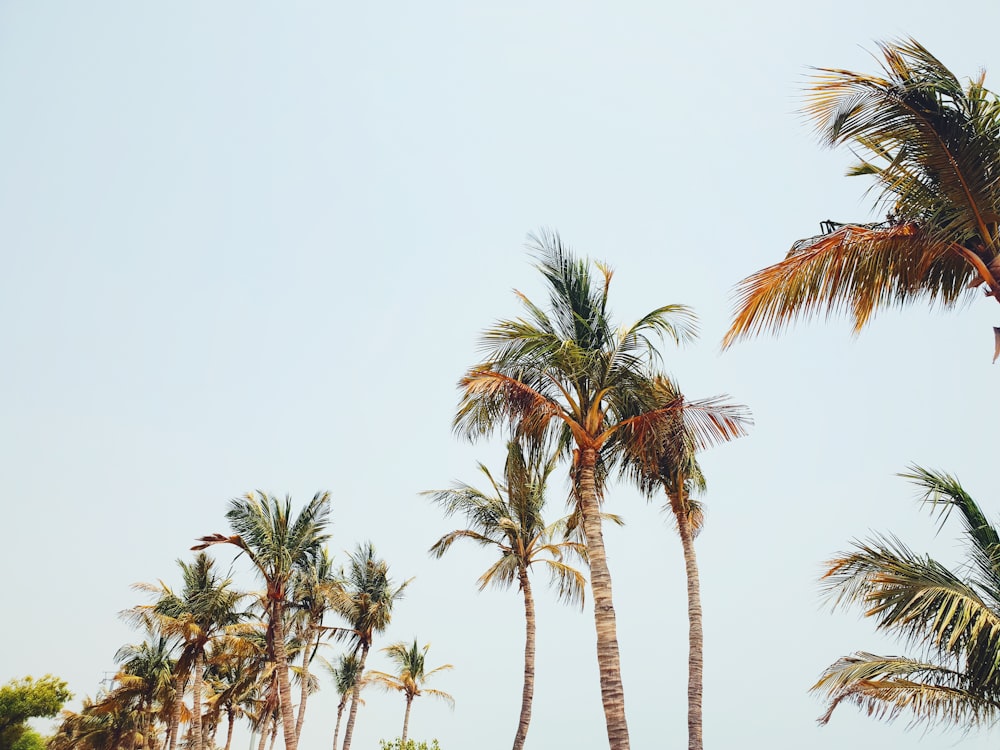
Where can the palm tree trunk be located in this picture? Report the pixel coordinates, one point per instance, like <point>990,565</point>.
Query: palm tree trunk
<point>263,733</point>
<point>355,697</point>
<point>284,684</point>
<point>304,692</point>
<point>406,721</point>
<point>340,713</point>
<point>196,728</point>
<point>180,683</point>
<point>229,729</point>
<point>695,633</point>
<point>608,658</point>
<point>528,692</point>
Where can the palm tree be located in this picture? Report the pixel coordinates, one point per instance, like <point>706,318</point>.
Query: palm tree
<point>509,520</point>
<point>196,616</point>
<point>932,146</point>
<point>571,371</point>
<point>365,601</point>
<point>145,680</point>
<point>673,468</point>
<point>277,545</point>
<point>346,676</point>
<point>410,662</point>
<point>313,590</point>
<point>951,618</point>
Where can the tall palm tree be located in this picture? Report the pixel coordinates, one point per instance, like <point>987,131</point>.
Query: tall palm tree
<point>571,371</point>
<point>509,520</point>
<point>365,601</point>
<point>199,614</point>
<point>410,662</point>
<point>672,467</point>
<point>313,590</point>
<point>932,146</point>
<point>277,544</point>
<point>346,676</point>
<point>951,618</point>
<point>145,680</point>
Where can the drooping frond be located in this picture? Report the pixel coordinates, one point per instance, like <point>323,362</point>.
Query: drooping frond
<point>953,619</point>
<point>886,687</point>
<point>931,145</point>
<point>855,269</point>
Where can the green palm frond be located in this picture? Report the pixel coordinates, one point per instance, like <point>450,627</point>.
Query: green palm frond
<point>885,687</point>
<point>952,619</point>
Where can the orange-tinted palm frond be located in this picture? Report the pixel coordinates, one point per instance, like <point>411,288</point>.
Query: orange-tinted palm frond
<point>490,398</point>
<point>857,269</point>
<point>708,422</point>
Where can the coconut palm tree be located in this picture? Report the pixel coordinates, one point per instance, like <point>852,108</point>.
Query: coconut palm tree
<point>313,590</point>
<point>346,676</point>
<point>508,519</point>
<point>672,467</point>
<point>145,680</point>
<point>571,371</point>
<point>365,601</point>
<point>199,614</point>
<point>951,618</point>
<point>410,662</point>
<point>932,146</point>
<point>277,544</point>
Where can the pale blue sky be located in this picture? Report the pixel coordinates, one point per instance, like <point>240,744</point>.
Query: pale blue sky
<point>251,245</point>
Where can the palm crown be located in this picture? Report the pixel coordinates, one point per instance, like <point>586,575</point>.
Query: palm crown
<point>932,147</point>
<point>951,618</point>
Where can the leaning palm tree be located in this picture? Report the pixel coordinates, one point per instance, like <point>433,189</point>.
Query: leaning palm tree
<point>410,662</point>
<point>570,371</point>
<point>952,619</point>
<point>508,519</point>
<point>277,544</point>
<point>932,146</point>
<point>365,601</point>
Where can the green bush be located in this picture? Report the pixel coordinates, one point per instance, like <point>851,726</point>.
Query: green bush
<point>396,744</point>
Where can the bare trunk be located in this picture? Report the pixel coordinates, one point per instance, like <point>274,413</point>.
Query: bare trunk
<point>263,733</point>
<point>695,633</point>
<point>307,655</point>
<point>340,713</point>
<point>406,721</point>
<point>175,715</point>
<point>528,692</point>
<point>284,684</point>
<point>608,658</point>
<point>274,735</point>
<point>355,697</point>
<point>196,728</point>
<point>229,729</point>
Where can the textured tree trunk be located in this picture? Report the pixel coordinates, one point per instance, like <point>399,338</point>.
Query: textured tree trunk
<point>196,728</point>
<point>175,715</point>
<point>528,691</point>
<point>608,658</point>
<point>340,713</point>
<point>406,721</point>
<point>229,729</point>
<point>307,655</point>
<point>355,697</point>
<point>695,633</point>
<point>263,733</point>
<point>284,684</point>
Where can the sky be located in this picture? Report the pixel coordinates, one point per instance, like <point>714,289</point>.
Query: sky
<point>252,245</point>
